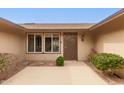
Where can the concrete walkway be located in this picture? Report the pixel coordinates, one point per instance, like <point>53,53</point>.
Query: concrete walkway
<point>71,73</point>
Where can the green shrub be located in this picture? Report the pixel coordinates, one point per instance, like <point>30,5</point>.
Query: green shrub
<point>3,62</point>
<point>107,61</point>
<point>60,61</point>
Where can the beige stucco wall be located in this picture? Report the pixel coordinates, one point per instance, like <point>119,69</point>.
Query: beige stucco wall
<point>12,42</point>
<point>85,46</point>
<point>110,37</point>
<point>83,50</point>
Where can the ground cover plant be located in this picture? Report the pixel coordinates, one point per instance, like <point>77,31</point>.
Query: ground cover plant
<point>107,62</point>
<point>3,62</point>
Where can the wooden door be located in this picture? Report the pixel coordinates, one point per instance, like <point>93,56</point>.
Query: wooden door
<point>70,46</point>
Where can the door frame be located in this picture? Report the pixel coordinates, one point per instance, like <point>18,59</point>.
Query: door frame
<point>76,46</point>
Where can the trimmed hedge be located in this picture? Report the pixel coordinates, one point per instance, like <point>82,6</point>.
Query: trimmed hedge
<point>60,61</point>
<point>107,61</point>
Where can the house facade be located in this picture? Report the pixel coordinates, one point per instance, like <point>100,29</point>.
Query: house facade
<point>73,41</point>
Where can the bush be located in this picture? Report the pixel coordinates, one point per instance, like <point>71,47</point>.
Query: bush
<point>107,61</point>
<point>60,61</point>
<point>3,62</point>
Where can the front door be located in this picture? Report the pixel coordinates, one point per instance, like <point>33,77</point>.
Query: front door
<point>70,46</point>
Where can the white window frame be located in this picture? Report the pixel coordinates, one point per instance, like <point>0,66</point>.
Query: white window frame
<point>35,42</point>
<point>52,43</point>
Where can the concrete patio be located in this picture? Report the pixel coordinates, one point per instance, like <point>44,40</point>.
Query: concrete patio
<point>72,73</point>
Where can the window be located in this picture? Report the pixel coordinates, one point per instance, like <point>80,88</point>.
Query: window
<point>52,42</point>
<point>48,43</point>
<point>30,43</point>
<point>34,43</point>
<point>38,43</point>
<point>55,43</point>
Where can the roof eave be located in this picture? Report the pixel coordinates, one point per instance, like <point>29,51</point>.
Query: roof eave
<point>108,19</point>
<point>20,27</point>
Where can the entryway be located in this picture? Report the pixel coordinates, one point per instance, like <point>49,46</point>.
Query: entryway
<point>72,73</point>
<point>70,46</point>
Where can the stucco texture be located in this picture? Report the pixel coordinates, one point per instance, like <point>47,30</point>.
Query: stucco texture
<point>110,37</point>
<point>12,39</point>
